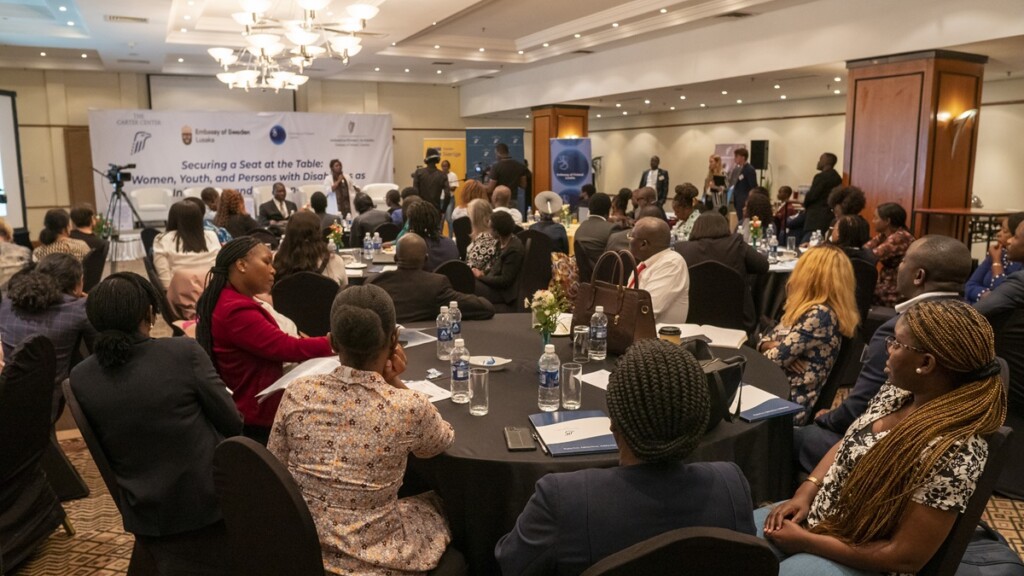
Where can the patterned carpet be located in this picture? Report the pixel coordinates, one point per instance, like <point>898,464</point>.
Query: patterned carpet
<point>102,548</point>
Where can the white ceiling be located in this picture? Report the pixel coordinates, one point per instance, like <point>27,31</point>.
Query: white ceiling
<point>432,41</point>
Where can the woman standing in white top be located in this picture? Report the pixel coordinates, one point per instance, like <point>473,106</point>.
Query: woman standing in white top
<point>185,244</point>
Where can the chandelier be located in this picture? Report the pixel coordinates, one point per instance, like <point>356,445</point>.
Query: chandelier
<point>267,62</point>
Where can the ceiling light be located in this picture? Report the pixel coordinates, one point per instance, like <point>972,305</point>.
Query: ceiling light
<point>439,72</point>
<point>63,8</point>
<point>71,23</point>
<point>406,69</point>
<point>180,60</point>
<point>598,115</point>
<point>191,2</point>
<point>343,43</point>
<point>682,97</point>
<point>527,115</point>
<point>615,24</point>
<point>576,35</point>
<point>187,17</point>
<point>838,79</point>
<point>783,97</point>
<point>482,49</point>
<point>664,10</point>
<point>777,86</point>
<point>738,101</point>
<point>671,107</point>
<point>624,113</point>
<point>42,53</point>
<point>437,46</point>
<point>433,23</point>
<point>376,69</point>
<point>85,55</point>
<point>647,101</point>
<point>244,18</point>
<point>617,105</point>
<point>262,40</point>
<point>301,37</point>
<point>546,44</point>
<point>725,92</point>
<point>836,92</point>
<point>703,105</point>
<point>184,30</point>
<point>520,51</point>
<point>394,43</point>
<point>361,11</point>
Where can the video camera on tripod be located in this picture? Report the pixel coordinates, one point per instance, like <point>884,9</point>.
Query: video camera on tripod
<point>116,174</point>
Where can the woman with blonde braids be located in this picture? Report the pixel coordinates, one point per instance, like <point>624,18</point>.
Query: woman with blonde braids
<point>886,496</point>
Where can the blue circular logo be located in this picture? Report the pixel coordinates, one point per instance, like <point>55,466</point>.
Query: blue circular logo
<point>278,135</point>
<point>571,167</point>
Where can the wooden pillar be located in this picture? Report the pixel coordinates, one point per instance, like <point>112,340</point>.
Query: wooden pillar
<point>912,132</point>
<point>549,122</point>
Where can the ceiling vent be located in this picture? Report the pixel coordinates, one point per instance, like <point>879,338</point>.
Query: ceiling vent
<point>125,19</point>
<point>441,63</point>
<point>582,51</point>
<point>132,61</point>
<point>735,15</point>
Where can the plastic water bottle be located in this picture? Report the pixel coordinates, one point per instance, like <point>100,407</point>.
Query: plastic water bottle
<point>460,372</point>
<point>444,334</point>
<point>770,233</point>
<point>376,243</point>
<point>598,334</point>
<point>815,239</point>
<point>773,246</point>
<point>456,317</point>
<point>367,247</point>
<point>549,395</point>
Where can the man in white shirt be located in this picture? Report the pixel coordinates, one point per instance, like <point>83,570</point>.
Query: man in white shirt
<point>656,179</point>
<point>501,197</point>
<point>661,271</point>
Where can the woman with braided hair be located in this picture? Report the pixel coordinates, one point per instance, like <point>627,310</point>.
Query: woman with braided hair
<point>242,338</point>
<point>659,406</point>
<point>159,411</point>
<point>886,496</point>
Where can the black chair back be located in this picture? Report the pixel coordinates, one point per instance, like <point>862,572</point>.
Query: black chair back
<point>388,231</point>
<point>849,353</point>
<point>92,266</point>
<point>462,227</point>
<point>306,298</point>
<point>947,559</point>
<point>148,235</point>
<point>703,551</point>
<point>266,237</point>
<point>459,274</point>
<point>165,306</point>
<point>30,509</point>
<point>717,293</point>
<point>865,275</point>
<point>270,529</point>
<point>536,272</point>
<point>584,263</point>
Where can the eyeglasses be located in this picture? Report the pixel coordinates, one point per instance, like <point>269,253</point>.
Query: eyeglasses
<point>892,342</point>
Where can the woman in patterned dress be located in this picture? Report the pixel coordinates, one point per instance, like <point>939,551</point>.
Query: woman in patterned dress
<point>889,246</point>
<point>820,308</point>
<point>346,436</point>
<point>483,251</point>
<point>885,497</point>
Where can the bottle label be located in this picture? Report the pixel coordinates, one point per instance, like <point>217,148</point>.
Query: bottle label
<point>444,334</point>
<point>598,332</point>
<point>456,328</point>
<point>460,370</point>
<point>549,379</point>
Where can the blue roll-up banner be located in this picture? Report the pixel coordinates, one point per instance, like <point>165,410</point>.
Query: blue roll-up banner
<point>480,143</point>
<point>570,167</point>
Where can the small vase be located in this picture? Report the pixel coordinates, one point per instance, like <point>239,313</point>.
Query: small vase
<point>545,338</point>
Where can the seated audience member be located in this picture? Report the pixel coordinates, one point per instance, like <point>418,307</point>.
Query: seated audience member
<point>499,284</point>
<point>620,207</point>
<point>660,270</point>
<point>409,195</point>
<point>550,228</point>
<point>645,196</point>
<point>483,248</point>
<point>618,240</point>
<point>12,256</point>
<point>592,234</point>
<point>425,220</point>
<point>223,236</point>
<point>887,495</point>
<point>364,527</point>
<point>393,200</point>
<point>500,199</point>
<point>231,214</point>
<point>684,205</point>
<point>55,237</point>
<point>471,190</point>
<point>889,245</point>
<point>303,249</point>
<point>587,192</point>
<point>933,269</point>
<point>785,210</point>
<point>419,294</point>
<point>276,211</point>
<point>318,203</point>
<point>210,198</point>
<point>159,433</point>
<point>242,338</point>
<point>846,200</point>
<point>820,308</point>
<point>83,218</point>
<point>851,233</point>
<point>367,219</point>
<point>711,240</point>
<point>659,405</point>
<point>996,266</point>
<point>762,207</point>
<point>185,244</point>
<point>47,300</point>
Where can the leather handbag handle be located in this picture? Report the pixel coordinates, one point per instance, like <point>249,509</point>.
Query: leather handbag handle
<point>617,271</point>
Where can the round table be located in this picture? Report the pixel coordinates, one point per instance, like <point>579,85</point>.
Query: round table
<point>485,487</point>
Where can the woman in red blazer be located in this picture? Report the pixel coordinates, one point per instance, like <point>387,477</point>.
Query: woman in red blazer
<point>243,340</point>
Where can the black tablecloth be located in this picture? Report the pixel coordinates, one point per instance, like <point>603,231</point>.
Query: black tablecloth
<point>485,487</point>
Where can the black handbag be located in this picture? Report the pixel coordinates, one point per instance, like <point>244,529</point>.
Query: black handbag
<point>723,375</point>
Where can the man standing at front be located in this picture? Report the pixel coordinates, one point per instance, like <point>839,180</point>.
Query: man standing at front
<point>511,174</point>
<point>431,183</point>
<point>660,271</point>
<point>656,179</point>
<point>818,215</point>
<point>745,182</point>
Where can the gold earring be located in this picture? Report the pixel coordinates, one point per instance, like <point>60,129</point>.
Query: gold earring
<point>918,370</point>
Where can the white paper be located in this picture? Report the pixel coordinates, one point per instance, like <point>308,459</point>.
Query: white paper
<point>307,368</point>
<point>563,325</point>
<point>598,379</point>
<point>574,430</point>
<point>413,338</point>
<point>389,268</point>
<point>752,398</point>
<point>786,266</point>
<point>724,337</point>
<point>433,391</point>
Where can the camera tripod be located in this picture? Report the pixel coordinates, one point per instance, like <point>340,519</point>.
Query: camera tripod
<point>115,208</point>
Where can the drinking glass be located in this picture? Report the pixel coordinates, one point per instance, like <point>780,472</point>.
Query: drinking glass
<point>478,391</point>
<point>581,343</point>
<point>791,243</point>
<point>572,385</point>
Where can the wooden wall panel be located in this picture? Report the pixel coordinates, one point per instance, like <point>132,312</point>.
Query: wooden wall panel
<point>542,126</point>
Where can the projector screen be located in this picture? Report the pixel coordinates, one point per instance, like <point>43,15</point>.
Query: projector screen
<point>12,196</point>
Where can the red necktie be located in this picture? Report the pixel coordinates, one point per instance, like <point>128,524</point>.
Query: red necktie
<point>636,277</point>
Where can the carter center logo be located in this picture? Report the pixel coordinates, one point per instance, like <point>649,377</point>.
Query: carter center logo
<point>139,142</point>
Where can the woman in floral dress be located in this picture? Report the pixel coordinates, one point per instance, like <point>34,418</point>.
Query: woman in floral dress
<point>889,246</point>
<point>346,436</point>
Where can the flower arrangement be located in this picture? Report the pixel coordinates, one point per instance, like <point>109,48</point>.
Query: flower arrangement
<point>101,228</point>
<point>546,305</point>
<point>755,229</point>
<point>336,234</point>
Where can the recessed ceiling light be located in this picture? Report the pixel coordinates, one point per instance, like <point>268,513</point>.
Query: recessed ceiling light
<point>576,35</point>
<point>545,44</point>
<point>376,69</point>
<point>187,16</point>
<point>63,8</point>
<point>180,60</point>
<point>394,43</point>
<point>406,69</point>
<point>527,115</point>
<point>838,79</point>
<point>725,92</point>
<point>598,115</point>
<point>481,49</point>
<point>836,91</point>
<point>433,23</point>
<point>739,101</point>
<point>647,101</point>
<point>777,86</point>
<point>42,53</point>
<point>329,13</point>
<point>624,113</point>
<point>85,55</point>
<point>191,2</point>
<point>71,22</point>
<point>440,71</point>
<point>783,97</point>
<point>664,10</point>
<point>615,24</point>
<point>520,51</point>
<point>437,46</point>
<point>671,107</point>
<point>184,30</point>
<point>682,97</point>
<point>703,105</point>
<point>618,105</point>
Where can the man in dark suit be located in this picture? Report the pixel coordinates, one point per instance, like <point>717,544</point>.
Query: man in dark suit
<point>1004,308</point>
<point>818,216</point>
<point>277,211</point>
<point>592,234</point>
<point>745,181</point>
<point>367,220</point>
<point>657,179</point>
<point>934,267</point>
<point>419,294</point>
<point>618,240</point>
<point>510,173</point>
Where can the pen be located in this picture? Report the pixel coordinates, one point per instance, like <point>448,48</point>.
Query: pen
<point>543,446</point>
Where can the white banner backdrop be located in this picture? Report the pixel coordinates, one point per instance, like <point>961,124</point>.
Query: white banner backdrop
<point>240,150</point>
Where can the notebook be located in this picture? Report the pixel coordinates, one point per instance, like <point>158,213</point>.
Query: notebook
<point>571,433</point>
<point>724,337</point>
<point>756,404</point>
